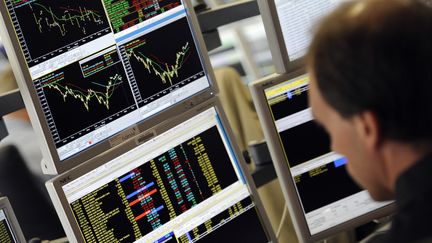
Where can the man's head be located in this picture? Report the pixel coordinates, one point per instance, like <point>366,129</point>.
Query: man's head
<point>371,85</point>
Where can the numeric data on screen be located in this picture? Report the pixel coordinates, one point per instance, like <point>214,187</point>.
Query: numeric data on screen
<point>156,192</point>
<point>6,234</point>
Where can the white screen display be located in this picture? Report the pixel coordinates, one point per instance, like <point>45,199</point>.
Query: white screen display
<point>297,19</point>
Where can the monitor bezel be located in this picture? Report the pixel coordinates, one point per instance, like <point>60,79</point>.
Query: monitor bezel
<point>283,172</point>
<point>278,49</point>
<point>10,216</point>
<point>54,186</point>
<point>275,38</point>
<point>51,163</point>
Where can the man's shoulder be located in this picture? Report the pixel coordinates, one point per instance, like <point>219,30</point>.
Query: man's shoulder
<point>388,236</point>
<point>412,222</point>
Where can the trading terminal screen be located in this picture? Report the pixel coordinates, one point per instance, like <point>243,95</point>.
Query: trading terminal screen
<point>98,67</point>
<point>6,234</point>
<point>297,19</point>
<point>184,185</point>
<point>327,194</point>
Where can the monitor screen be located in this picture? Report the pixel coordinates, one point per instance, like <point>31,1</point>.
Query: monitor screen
<point>297,20</point>
<point>95,68</point>
<point>9,229</point>
<point>185,184</point>
<point>6,234</point>
<point>289,27</point>
<point>326,194</point>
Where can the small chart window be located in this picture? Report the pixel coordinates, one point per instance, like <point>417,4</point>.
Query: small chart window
<point>61,23</point>
<point>162,60</point>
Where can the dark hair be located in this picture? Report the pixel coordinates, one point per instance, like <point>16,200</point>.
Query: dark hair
<point>377,55</point>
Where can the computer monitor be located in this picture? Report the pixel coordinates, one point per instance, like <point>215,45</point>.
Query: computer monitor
<point>181,181</point>
<point>289,26</point>
<point>91,72</point>
<point>322,197</point>
<point>10,230</point>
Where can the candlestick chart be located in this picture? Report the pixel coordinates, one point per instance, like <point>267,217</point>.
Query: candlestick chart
<point>85,95</point>
<point>163,60</point>
<point>63,24</point>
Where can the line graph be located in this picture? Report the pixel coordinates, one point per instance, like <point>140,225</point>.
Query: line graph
<point>94,97</point>
<point>45,17</point>
<point>86,95</point>
<point>163,60</point>
<point>164,71</point>
<point>63,24</point>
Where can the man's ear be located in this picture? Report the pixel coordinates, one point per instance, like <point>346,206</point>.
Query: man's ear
<point>368,129</point>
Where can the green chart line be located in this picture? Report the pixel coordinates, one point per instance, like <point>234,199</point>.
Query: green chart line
<point>60,22</point>
<point>86,96</point>
<point>165,73</point>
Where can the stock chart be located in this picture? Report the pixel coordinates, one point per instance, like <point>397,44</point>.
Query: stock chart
<point>93,92</point>
<point>163,60</point>
<point>61,23</point>
<point>81,89</point>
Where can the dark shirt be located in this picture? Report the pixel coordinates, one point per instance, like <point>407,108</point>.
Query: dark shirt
<point>413,219</point>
